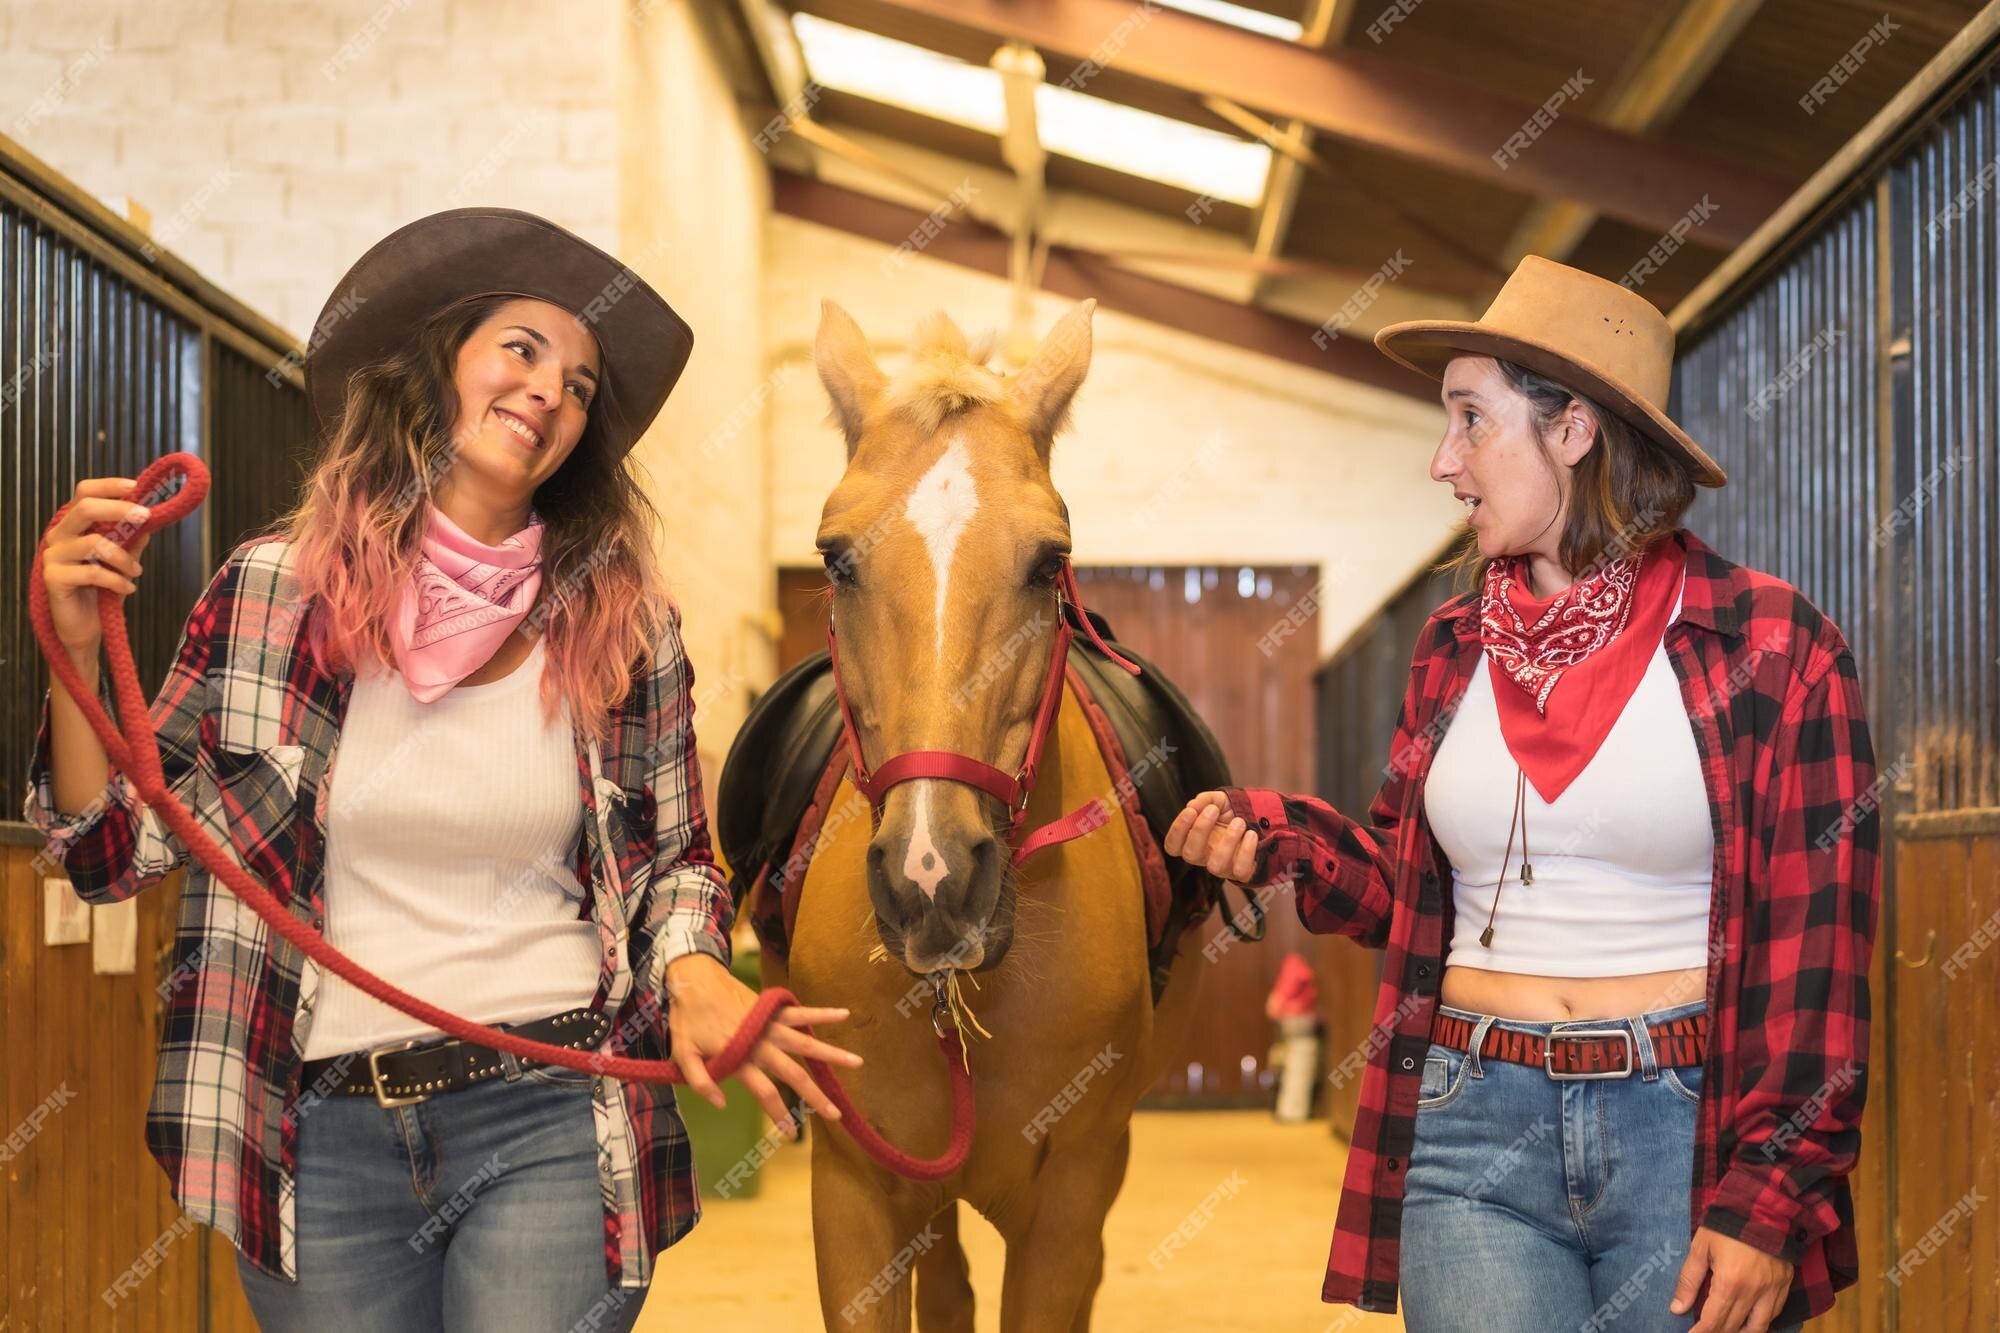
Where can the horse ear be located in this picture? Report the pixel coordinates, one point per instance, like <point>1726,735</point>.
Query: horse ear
<point>1053,374</point>
<point>852,379</point>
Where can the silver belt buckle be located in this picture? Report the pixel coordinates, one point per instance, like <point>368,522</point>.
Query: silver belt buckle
<point>1549,1052</point>
<point>382,1097</point>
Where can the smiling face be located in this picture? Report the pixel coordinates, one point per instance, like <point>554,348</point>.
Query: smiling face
<point>1514,476</point>
<point>525,378</point>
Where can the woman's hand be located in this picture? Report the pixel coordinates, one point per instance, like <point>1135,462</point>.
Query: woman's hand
<point>705,1006</point>
<point>77,562</point>
<point>1746,1287</point>
<point>1199,837</point>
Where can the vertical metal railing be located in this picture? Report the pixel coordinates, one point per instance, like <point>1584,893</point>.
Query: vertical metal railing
<point>1946,514</point>
<point>1783,394</point>
<point>112,354</point>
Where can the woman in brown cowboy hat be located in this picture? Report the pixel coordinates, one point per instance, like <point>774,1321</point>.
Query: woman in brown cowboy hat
<point>465,604</point>
<point>1622,868</point>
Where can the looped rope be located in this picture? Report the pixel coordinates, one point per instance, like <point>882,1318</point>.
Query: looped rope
<point>136,753</point>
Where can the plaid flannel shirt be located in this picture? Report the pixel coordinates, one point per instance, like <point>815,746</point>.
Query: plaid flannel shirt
<point>1776,709</point>
<point>248,728</point>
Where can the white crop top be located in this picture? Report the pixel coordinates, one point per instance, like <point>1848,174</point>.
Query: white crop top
<point>1623,860</point>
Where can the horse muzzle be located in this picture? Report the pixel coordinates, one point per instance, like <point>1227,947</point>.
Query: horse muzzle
<point>941,902</point>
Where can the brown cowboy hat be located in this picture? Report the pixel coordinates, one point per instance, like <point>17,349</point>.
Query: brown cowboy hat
<point>1594,337</point>
<point>437,261</point>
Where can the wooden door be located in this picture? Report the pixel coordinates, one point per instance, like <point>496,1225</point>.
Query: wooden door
<point>93,1238</point>
<point>1941,1072</point>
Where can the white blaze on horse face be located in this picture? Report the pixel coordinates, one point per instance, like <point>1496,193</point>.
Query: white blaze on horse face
<point>940,505</point>
<point>923,863</point>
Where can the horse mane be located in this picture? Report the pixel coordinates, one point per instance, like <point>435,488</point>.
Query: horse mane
<point>946,375</point>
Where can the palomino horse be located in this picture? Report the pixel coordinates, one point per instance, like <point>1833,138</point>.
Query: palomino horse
<point>946,545</point>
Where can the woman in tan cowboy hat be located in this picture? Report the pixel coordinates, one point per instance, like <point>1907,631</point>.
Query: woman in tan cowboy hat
<point>1623,869</point>
<point>465,603</point>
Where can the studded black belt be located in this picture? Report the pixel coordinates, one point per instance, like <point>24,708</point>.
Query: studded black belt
<point>403,1073</point>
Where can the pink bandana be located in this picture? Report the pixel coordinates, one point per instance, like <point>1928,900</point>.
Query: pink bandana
<point>462,602</point>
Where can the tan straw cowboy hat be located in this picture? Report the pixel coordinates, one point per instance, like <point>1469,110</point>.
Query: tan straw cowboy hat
<point>1594,337</point>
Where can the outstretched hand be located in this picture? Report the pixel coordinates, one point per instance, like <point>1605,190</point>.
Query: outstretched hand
<point>706,1004</point>
<point>1201,837</point>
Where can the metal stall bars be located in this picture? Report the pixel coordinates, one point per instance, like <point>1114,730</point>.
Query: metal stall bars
<point>1840,366</point>
<point>113,352</point>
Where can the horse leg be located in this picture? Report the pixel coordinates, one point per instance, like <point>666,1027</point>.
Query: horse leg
<point>864,1245</point>
<point>1055,1264</point>
<point>944,1279</point>
<point>1082,1322</point>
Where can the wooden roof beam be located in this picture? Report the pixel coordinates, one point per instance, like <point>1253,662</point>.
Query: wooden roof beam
<point>1078,274</point>
<point>1326,23</point>
<point>1673,69</point>
<point>1370,100</point>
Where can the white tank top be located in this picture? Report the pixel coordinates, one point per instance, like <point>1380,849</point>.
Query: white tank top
<point>448,835</point>
<point>1623,859</point>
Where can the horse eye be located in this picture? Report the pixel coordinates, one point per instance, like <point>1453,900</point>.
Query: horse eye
<point>1047,570</point>
<point>839,567</point>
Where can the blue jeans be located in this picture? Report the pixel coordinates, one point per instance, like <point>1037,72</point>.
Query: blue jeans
<point>1533,1204</point>
<point>475,1210</point>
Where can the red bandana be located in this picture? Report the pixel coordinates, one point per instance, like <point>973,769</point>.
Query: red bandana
<point>1593,640</point>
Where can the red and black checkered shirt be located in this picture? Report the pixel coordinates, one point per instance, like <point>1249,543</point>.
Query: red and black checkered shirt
<point>1776,708</point>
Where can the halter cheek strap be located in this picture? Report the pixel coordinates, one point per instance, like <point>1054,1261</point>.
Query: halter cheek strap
<point>1011,790</point>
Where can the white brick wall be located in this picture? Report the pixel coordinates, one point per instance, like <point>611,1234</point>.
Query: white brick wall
<point>335,121</point>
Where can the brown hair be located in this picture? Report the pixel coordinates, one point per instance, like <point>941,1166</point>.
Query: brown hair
<point>1627,494</point>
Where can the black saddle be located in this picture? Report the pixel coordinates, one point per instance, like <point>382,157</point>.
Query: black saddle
<point>785,745</point>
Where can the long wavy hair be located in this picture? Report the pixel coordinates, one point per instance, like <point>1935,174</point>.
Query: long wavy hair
<point>358,526</point>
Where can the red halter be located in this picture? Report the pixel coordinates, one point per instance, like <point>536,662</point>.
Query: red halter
<point>1010,790</point>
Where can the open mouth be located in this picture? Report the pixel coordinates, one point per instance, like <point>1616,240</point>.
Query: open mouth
<point>521,429</point>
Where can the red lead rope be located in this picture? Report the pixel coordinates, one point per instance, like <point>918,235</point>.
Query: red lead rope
<point>137,755</point>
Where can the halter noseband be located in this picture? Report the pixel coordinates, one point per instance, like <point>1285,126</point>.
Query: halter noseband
<point>1011,790</point>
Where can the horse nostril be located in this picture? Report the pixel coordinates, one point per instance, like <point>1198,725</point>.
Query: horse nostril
<point>988,860</point>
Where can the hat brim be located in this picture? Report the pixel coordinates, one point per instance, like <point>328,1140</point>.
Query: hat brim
<point>1428,345</point>
<point>439,260</point>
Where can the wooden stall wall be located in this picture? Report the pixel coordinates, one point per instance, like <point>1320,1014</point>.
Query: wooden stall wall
<point>109,358</point>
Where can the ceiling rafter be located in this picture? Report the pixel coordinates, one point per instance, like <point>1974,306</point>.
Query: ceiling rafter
<point>1368,100</point>
<point>1672,70</point>
<point>1078,273</point>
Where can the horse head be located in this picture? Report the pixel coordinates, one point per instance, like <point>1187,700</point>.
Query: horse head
<point>944,544</point>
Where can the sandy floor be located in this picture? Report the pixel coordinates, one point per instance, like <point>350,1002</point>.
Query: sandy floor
<point>1256,1265</point>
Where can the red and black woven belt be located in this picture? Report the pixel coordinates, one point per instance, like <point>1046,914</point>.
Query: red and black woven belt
<point>1604,1050</point>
